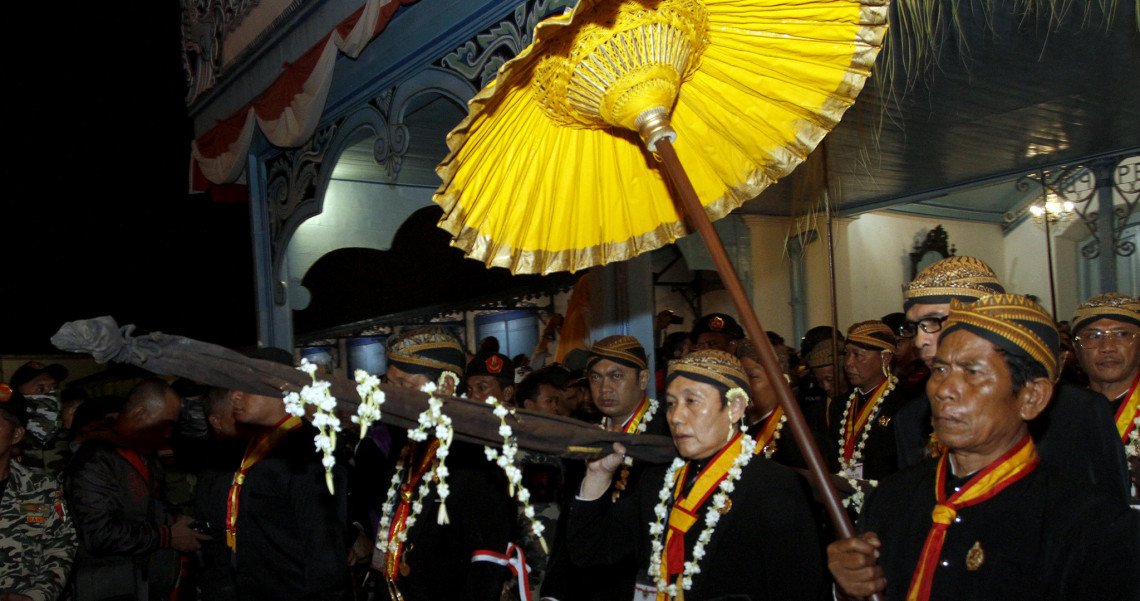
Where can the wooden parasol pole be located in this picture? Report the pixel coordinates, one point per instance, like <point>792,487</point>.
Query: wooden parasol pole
<point>700,220</point>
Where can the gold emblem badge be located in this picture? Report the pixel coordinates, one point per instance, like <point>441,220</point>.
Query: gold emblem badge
<point>494,364</point>
<point>884,420</point>
<point>975,557</point>
<point>716,324</point>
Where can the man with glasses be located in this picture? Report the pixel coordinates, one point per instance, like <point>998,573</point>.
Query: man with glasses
<point>1074,432</point>
<point>1106,329</point>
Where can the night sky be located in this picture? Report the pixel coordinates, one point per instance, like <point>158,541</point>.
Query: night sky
<point>97,219</point>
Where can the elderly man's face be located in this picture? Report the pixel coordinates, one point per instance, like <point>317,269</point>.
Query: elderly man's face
<point>1115,358</point>
<point>863,367</point>
<point>698,420</point>
<point>617,389</point>
<point>928,317</point>
<point>975,411</point>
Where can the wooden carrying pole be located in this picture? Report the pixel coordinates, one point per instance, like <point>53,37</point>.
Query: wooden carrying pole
<point>701,222</point>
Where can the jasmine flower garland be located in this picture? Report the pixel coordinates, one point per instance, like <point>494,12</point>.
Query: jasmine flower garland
<point>712,516</point>
<point>326,422</point>
<point>848,465</point>
<point>371,398</point>
<point>433,418</point>
<point>1132,449</point>
<point>506,460</point>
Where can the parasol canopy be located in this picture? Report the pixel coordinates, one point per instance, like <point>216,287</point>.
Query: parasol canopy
<point>751,85</point>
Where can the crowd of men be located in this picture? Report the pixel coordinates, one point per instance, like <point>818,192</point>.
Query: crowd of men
<point>984,450</point>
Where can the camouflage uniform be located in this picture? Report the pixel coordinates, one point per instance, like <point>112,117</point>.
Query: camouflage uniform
<point>45,446</point>
<point>37,543</point>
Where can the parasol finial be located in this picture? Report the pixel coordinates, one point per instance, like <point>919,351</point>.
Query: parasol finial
<point>618,66</point>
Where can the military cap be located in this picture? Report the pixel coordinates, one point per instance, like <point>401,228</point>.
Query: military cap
<point>488,363</point>
<point>720,323</point>
<point>32,369</point>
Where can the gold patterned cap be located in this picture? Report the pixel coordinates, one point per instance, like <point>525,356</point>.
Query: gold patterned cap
<point>963,278</point>
<point>872,335</point>
<point>625,350</point>
<point>717,368</point>
<point>430,350</point>
<point>821,354</point>
<point>1013,323</point>
<point>1111,305</point>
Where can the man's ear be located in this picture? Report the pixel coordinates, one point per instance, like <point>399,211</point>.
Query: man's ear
<point>1034,397</point>
<point>643,379</point>
<point>17,434</point>
<point>736,408</point>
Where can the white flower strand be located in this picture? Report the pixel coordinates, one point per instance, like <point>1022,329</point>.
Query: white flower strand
<point>371,399</point>
<point>848,465</point>
<point>770,448</point>
<point>712,516</point>
<point>326,422</point>
<point>506,460</point>
<point>433,418</point>
<point>382,532</point>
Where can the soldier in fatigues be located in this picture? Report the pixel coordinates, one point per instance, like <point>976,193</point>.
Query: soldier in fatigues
<point>37,543</point>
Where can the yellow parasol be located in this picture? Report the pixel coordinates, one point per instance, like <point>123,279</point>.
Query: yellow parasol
<point>752,85</point>
<point>548,171</point>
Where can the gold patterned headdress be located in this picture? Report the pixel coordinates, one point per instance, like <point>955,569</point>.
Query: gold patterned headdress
<point>821,355</point>
<point>872,335</point>
<point>1013,323</point>
<point>717,368</point>
<point>963,278</point>
<point>429,350</point>
<point>1111,305</point>
<point>625,350</point>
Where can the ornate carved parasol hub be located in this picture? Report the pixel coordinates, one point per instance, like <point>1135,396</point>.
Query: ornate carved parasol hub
<point>625,60</point>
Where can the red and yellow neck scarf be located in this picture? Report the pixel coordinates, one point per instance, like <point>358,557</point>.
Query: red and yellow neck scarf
<point>631,424</point>
<point>255,451</point>
<point>685,510</point>
<point>768,432</point>
<point>1126,415</point>
<point>1014,465</point>
<point>855,423</point>
<point>407,489</point>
